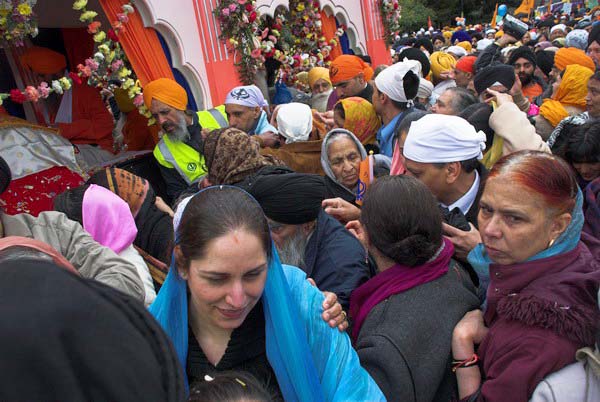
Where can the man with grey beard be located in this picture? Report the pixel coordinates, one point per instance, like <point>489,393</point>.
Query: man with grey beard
<point>305,236</point>
<point>179,152</point>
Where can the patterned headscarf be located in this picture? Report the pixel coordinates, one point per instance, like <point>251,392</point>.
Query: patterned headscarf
<point>231,155</point>
<point>360,118</point>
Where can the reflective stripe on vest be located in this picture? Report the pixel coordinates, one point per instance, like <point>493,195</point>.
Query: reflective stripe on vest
<point>190,163</point>
<point>213,118</point>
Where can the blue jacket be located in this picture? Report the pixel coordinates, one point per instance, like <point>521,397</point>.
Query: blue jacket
<point>335,259</point>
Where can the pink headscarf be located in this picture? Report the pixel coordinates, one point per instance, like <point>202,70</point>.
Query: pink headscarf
<point>397,164</point>
<point>18,241</point>
<point>108,218</point>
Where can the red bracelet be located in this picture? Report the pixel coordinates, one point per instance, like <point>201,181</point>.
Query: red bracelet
<point>470,362</point>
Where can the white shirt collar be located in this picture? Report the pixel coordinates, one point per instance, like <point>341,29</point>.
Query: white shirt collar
<point>465,202</point>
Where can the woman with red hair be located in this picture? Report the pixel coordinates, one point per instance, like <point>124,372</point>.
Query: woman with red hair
<point>542,281</point>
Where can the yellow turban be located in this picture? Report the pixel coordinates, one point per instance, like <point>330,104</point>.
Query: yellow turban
<point>317,73</point>
<point>124,102</point>
<point>498,34</point>
<point>167,91</point>
<point>346,67</point>
<point>441,62</point>
<point>573,86</point>
<point>43,60</point>
<point>569,55</point>
<point>553,111</point>
<point>466,45</point>
<point>447,35</point>
<point>360,118</point>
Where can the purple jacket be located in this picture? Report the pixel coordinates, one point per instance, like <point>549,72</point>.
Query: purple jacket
<point>539,313</point>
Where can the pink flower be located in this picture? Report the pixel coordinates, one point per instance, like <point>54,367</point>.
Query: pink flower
<point>116,65</point>
<point>44,90</point>
<point>233,7</point>
<point>242,2</point>
<point>123,17</point>
<point>255,53</point>
<point>225,12</point>
<point>93,27</point>
<point>264,33</point>
<point>138,100</point>
<point>84,70</point>
<point>92,64</point>
<point>32,94</point>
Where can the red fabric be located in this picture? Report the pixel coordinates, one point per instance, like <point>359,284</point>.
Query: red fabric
<point>138,135</point>
<point>92,123</point>
<point>35,193</point>
<point>328,27</point>
<point>466,64</point>
<point>79,46</point>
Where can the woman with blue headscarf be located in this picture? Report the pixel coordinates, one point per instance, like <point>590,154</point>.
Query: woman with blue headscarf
<point>542,281</point>
<point>228,303</point>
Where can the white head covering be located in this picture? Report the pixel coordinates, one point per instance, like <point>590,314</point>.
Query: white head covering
<point>294,122</point>
<point>437,138</point>
<point>247,95</point>
<point>425,88</point>
<point>483,43</point>
<point>457,50</point>
<point>389,81</point>
<point>179,212</point>
<point>562,27</point>
<point>490,31</point>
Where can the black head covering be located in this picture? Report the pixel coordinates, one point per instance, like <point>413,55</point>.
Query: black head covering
<point>426,43</point>
<point>594,35</point>
<point>67,338</point>
<point>522,52</point>
<point>545,61</point>
<point>479,116</point>
<point>70,203</point>
<point>5,175</point>
<point>412,53</point>
<point>290,198</point>
<point>487,76</point>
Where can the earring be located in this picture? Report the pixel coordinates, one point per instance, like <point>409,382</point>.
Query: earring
<point>551,243</point>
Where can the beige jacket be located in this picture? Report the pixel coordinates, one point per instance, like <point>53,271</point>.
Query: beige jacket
<point>91,259</point>
<point>512,125</point>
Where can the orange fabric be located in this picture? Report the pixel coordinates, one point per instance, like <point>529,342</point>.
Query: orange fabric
<point>43,60</point>
<point>79,45</point>
<point>167,91</point>
<point>553,111</point>
<point>566,56</point>
<point>573,86</point>
<point>361,119</point>
<point>525,7</point>
<point>301,157</point>
<point>346,67</point>
<point>532,91</point>
<point>365,176</point>
<point>91,121</point>
<point>141,45</point>
<point>466,64</point>
<point>138,135</point>
<point>328,27</point>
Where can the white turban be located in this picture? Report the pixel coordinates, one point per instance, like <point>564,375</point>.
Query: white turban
<point>457,50</point>
<point>294,122</point>
<point>389,81</point>
<point>562,27</point>
<point>248,95</point>
<point>437,138</point>
<point>425,88</point>
<point>483,43</point>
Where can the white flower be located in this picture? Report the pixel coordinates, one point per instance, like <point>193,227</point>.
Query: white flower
<point>128,9</point>
<point>56,87</point>
<point>99,56</point>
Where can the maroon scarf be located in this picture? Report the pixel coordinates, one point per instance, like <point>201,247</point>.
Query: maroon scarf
<point>395,280</point>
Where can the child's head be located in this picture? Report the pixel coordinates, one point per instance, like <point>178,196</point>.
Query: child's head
<point>229,386</point>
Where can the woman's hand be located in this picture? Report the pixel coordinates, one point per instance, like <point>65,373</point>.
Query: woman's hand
<point>341,209</point>
<point>333,314</point>
<point>355,227</point>
<point>469,332</point>
<point>162,206</point>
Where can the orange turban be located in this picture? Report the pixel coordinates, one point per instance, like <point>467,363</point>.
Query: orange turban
<point>167,91</point>
<point>441,62</point>
<point>346,67</point>
<point>317,73</point>
<point>42,60</point>
<point>569,55</point>
<point>573,86</point>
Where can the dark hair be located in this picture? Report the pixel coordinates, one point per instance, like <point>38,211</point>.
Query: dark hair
<point>596,75</point>
<point>229,386</point>
<point>402,219</point>
<point>461,98</point>
<point>405,123</point>
<point>468,166</point>
<point>544,174</point>
<point>560,144</point>
<point>583,145</point>
<point>213,213</point>
<point>70,203</point>
<point>478,115</point>
<point>339,107</point>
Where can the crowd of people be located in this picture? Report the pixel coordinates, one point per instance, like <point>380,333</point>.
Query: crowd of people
<point>427,230</point>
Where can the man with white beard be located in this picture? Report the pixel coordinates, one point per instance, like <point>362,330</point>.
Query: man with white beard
<point>320,86</point>
<point>306,237</point>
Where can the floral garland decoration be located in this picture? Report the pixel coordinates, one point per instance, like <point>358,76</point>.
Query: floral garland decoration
<point>390,12</point>
<point>106,66</point>
<point>17,20</point>
<point>239,24</point>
